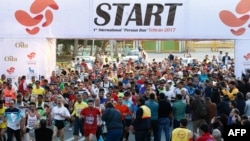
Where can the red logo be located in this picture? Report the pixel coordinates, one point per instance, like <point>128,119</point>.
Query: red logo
<point>247,56</point>
<point>10,70</point>
<point>31,55</point>
<point>37,7</point>
<point>237,20</point>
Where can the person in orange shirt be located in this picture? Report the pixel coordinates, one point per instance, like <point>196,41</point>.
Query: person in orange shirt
<point>8,94</point>
<point>124,110</point>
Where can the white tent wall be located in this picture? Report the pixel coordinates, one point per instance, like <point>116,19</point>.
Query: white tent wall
<point>29,57</point>
<point>242,57</point>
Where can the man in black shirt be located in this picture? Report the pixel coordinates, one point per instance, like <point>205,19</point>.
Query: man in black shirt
<point>43,133</point>
<point>164,116</point>
<point>170,56</point>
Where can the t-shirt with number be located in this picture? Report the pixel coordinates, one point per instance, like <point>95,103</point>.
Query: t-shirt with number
<point>90,117</point>
<point>31,121</point>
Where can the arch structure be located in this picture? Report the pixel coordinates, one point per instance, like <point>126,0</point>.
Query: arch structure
<point>24,21</point>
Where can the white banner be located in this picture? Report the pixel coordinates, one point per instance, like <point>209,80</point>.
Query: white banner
<point>242,57</point>
<point>127,19</point>
<point>29,57</point>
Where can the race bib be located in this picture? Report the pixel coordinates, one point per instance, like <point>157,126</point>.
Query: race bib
<point>79,111</point>
<point>7,99</point>
<point>89,120</point>
<point>31,124</point>
<point>1,119</point>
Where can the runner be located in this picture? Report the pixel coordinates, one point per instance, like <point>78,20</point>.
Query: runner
<point>59,114</point>
<point>3,123</point>
<point>13,117</point>
<point>32,119</point>
<point>90,116</point>
<point>78,123</point>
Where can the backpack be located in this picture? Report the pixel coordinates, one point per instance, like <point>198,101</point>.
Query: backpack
<point>201,108</point>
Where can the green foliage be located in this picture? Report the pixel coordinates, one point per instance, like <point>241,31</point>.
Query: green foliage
<point>68,42</point>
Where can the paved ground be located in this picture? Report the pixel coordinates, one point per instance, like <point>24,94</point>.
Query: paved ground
<point>69,135</point>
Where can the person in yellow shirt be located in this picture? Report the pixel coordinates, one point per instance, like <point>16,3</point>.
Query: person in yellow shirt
<point>182,133</point>
<point>3,123</point>
<point>78,123</point>
<point>3,78</point>
<point>38,90</point>
<point>233,90</point>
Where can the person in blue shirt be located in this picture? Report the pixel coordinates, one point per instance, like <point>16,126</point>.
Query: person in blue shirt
<point>153,106</point>
<point>13,116</point>
<point>128,118</point>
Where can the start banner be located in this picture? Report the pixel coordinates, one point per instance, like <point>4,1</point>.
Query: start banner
<point>29,57</point>
<point>127,19</point>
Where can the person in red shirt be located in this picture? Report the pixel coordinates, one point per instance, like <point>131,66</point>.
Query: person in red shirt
<point>205,134</point>
<point>8,94</point>
<point>22,85</point>
<point>90,116</point>
<point>124,110</point>
<point>84,64</point>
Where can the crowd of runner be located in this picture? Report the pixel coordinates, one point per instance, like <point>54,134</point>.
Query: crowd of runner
<point>114,99</point>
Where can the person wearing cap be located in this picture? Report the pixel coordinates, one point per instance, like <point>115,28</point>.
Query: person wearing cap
<point>78,123</point>
<point>90,115</point>
<point>142,122</point>
<point>3,123</point>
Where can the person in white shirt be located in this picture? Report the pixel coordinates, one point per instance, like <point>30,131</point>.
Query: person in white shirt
<point>220,57</point>
<point>169,93</point>
<point>32,117</point>
<point>142,56</point>
<point>247,107</point>
<point>59,114</point>
<point>106,83</point>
